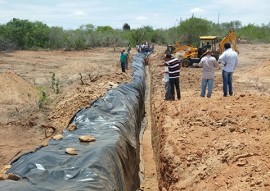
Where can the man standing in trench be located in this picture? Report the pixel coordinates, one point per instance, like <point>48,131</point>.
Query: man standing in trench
<point>174,66</point>
<point>229,61</point>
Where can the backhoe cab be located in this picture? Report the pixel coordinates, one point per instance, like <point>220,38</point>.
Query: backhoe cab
<point>206,42</point>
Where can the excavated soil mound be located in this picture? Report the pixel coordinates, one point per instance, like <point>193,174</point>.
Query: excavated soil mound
<point>261,70</point>
<point>15,90</point>
<point>257,76</point>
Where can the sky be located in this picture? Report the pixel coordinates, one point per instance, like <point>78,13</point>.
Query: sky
<point>71,14</point>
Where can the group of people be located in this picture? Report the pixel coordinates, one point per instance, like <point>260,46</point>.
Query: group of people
<point>144,47</point>
<point>228,59</point>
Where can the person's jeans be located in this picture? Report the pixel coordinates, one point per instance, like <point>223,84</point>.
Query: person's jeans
<point>175,83</point>
<point>227,82</point>
<point>210,83</point>
<point>123,66</point>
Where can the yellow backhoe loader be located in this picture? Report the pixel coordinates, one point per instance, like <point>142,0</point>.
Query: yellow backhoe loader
<point>193,55</point>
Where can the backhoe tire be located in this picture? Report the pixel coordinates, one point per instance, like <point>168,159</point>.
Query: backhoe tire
<point>185,63</point>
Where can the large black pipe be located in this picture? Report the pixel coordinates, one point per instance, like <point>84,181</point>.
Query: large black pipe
<point>110,163</point>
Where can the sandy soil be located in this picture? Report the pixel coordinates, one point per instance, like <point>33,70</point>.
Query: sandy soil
<point>199,144</point>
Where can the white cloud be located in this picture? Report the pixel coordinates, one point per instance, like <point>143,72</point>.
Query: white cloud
<point>197,10</point>
<point>141,18</point>
<point>71,14</point>
<point>79,13</point>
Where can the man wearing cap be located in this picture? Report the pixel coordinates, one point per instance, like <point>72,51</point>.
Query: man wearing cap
<point>174,66</point>
<point>208,64</point>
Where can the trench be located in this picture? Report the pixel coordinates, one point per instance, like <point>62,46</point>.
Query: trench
<point>112,162</point>
<point>148,170</point>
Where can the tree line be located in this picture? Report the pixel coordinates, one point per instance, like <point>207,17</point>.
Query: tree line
<point>20,34</point>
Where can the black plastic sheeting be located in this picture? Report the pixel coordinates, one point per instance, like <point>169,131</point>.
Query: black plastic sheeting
<point>110,163</point>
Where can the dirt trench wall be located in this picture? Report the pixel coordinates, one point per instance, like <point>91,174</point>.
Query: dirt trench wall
<point>157,144</point>
<point>164,166</point>
<point>109,163</point>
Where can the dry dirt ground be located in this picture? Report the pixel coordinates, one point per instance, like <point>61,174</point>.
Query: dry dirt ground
<point>216,144</point>
<point>29,118</point>
<point>199,143</point>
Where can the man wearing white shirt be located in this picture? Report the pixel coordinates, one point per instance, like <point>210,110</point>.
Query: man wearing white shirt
<point>229,61</point>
